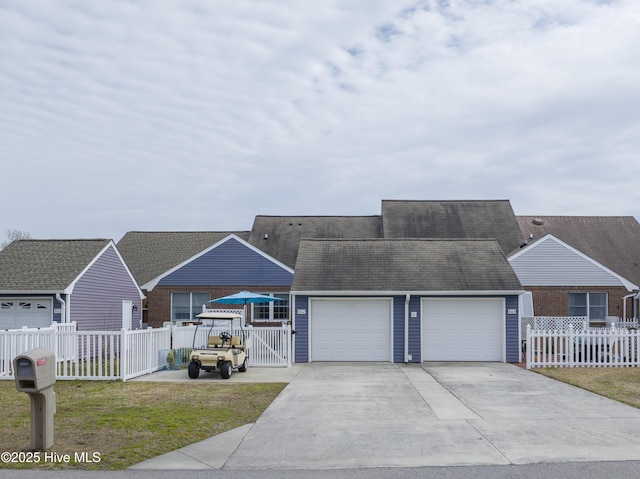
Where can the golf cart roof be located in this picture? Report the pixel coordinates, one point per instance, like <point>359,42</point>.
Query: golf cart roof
<point>225,315</point>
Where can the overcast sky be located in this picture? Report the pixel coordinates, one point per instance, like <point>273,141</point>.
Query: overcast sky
<point>159,115</point>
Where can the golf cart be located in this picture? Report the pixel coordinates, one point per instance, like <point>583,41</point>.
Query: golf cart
<point>225,352</point>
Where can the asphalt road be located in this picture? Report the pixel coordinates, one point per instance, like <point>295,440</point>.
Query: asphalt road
<point>571,470</point>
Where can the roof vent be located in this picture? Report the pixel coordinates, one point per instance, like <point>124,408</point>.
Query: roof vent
<point>538,221</point>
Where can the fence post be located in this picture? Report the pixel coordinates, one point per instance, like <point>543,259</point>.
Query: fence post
<point>287,338</point>
<point>123,355</point>
<point>529,347</point>
<point>570,346</point>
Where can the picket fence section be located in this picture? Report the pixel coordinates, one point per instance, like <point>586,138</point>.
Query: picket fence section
<point>589,347</point>
<point>126,354</point>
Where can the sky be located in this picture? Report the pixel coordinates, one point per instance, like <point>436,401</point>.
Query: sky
<point>198,115</point>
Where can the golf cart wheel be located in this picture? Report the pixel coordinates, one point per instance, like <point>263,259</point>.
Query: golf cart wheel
<point>244,367</point>
<point>225,370</point>
<point>193,369</point>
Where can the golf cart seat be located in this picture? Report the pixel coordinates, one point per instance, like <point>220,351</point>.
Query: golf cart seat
<point>214,342</point>
<point>235,342</point>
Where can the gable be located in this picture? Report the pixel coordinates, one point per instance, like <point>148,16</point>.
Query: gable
<point>108,273</point>
<point>231,262</point>
<point>551,262</point>
<point>150,254</point>
<point>612,241</point>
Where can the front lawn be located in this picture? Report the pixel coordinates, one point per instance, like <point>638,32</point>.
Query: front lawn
<point>126,423</point>
<point>621,384</point>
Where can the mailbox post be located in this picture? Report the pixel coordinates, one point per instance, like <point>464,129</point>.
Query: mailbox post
<point>35,375</point>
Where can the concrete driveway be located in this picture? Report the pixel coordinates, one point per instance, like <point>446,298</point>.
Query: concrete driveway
<point>361,415</point>
<point>436,414</point>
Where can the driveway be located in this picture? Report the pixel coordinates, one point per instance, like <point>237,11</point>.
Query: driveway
<point>436,414</point>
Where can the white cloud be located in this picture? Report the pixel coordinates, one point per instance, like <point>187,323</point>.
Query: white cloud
<point>199,115</point>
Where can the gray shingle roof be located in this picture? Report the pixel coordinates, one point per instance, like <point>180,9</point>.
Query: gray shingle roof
<point>149,254</point>
<point>45,265</point>
<point>403,265</point>
<point>452,219</point>
<point>283,233</point>
<point>613,241</point>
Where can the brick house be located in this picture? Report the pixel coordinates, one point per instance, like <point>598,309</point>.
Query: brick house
<point>181,271</point>
<point>580,265</point>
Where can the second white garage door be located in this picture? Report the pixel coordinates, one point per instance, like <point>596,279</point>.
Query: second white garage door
<point>351,330</point>
<point>462,329</point>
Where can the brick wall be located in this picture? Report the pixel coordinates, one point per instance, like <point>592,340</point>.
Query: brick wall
<point>554,300</point>
<point>159,299</point>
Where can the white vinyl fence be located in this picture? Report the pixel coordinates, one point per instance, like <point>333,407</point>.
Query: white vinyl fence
<point>125,354</point>
<point>266,346</point>
<point>95,355</point>
<point>589,347</point>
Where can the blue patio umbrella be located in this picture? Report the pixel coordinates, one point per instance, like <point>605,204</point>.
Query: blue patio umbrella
<point>244,297</point>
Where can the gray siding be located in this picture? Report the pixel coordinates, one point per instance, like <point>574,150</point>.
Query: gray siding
<point>512,330</point>
<point>301,327</point>
<point>230,263</point>
<point>96,300</point>
<point>549,263</point>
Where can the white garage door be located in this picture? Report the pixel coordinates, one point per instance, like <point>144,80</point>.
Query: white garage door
<point>351,330</point>
<point>462,329</point>
<point>33,313</point>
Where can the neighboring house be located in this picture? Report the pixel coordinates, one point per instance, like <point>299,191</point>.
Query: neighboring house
<point>580,265</point>
<point>86,281</point>
<point>405,300</point>
<point>180,272</point>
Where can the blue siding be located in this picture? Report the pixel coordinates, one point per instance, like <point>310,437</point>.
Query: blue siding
<point>512,330</point>
<point>57,308</point>
<point>415,337</point>
<point>230,263</point>
<point>398,329</point>
<point>96,300</point>
<point>301,327</point>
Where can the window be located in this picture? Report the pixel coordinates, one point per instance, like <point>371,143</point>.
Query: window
<point>185,306</point>
<point>592,305</point>
<point>273,311</point>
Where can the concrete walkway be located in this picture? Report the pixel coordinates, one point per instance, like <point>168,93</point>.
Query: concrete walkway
<point>339,415</point>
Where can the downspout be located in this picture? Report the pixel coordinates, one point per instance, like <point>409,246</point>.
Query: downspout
<point>406,328</point>
<point>624,305</point>
<point>63,309</point>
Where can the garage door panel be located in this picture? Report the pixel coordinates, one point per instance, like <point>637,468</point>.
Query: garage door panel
<point>350,330</point>
<point>32,313</point>
<point>462,329</point>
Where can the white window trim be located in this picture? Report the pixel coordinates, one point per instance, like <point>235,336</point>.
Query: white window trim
<point>271,305</point>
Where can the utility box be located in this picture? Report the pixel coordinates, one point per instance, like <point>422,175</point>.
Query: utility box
<point>35,374</point>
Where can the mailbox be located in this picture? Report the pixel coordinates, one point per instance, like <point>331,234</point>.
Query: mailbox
<point>35,374</point>
<point>34,370</point>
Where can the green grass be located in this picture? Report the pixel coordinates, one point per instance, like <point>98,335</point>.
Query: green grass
<point>621,384</point>
<point>129,422</point>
